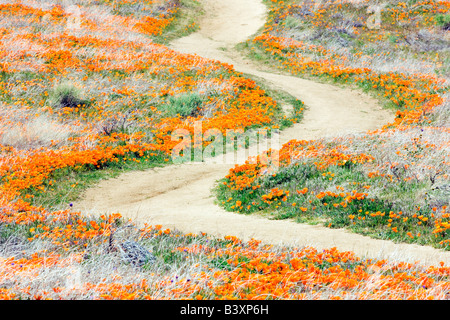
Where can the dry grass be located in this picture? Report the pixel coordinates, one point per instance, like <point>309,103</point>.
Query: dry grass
<point>98,271</point>
<point>26,129</point>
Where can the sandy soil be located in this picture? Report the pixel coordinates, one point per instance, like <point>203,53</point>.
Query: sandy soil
<point>179,196</point>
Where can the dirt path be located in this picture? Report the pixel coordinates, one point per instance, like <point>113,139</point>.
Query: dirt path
<point>179,196</point>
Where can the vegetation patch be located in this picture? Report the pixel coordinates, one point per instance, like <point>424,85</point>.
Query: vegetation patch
<point>112,96</point>
<point>390,183</point>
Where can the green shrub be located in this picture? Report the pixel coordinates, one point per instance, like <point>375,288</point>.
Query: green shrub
<point>184,105</point>
<point>66,95</point>
<point>443,20</point>
<point>292,22</point>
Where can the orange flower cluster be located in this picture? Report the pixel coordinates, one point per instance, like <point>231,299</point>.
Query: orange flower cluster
<point>441,225</point>
<point>258,273</point>
<point>275,195</point>
<point>32,170</point>
<point>152,26</point>
<point>242,177</point>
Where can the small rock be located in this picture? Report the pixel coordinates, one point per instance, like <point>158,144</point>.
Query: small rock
<point>136,254</point>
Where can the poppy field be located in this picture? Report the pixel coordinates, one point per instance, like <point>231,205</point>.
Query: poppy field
<point>87,91</point>
<point>392,183</point>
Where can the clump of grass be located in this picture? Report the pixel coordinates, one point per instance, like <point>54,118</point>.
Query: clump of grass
<point>67,95</point>
<point>185,105</point>
<point>293,22</point>
<point>443,20</point>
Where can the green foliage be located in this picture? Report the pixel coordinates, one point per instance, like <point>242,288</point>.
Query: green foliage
<point>66,95</point>
<point>443,20</point>
<point>184,105</point>
<point>292,22</point>
<point>221,263</point>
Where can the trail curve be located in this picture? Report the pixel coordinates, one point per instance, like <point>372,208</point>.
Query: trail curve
<point>179,196</point>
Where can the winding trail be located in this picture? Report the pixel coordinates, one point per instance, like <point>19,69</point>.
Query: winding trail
<point>179,196</point>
